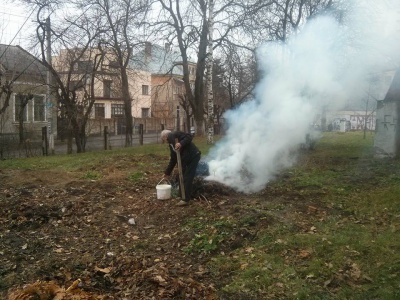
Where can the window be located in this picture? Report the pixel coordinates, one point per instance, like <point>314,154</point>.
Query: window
<point>76,85</point>
<point>145,89</point>
<point>107,88</point>
<point>113,64</point>
<point>39,108</point>
<point>99,110</point>
<point>85,66</point>
<point>145,112</point>
<point>19,104</point>
<point>117,110</point>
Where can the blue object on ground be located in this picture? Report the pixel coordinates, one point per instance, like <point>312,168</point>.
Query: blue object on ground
<point>202,169</point>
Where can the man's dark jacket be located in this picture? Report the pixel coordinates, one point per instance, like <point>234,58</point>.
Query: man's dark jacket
<point>188,150</point>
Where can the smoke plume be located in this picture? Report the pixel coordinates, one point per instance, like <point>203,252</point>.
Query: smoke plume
<point>325,65</point>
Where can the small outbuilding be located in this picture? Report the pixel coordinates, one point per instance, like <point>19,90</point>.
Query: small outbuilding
<point>387,133</point>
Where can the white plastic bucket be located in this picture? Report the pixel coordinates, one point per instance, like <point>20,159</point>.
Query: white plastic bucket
<point>163,191</point>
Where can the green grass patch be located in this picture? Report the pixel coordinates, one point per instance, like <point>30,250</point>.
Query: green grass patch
<point>92,175</point>
<point>327,228</point>
<point>88,160</point>
<point>137,176</point>
<point>347,249</point>
<point>208,234</point>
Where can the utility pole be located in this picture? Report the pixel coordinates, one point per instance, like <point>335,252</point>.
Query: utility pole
<point>49,103</point>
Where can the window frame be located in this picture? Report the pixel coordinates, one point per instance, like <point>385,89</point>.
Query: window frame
<point>107,88</point>
<point>145,112</point>
<point>35,106</point>
<point>16,114</point>
<point>119,108</point>
<point>97,108</point>
<point>145,89</point>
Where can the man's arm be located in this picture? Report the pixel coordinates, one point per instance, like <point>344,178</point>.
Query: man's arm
<point>183,139</point>
<point>172,162</point>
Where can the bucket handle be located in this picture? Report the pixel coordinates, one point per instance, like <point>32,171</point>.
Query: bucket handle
<point>165,180</point>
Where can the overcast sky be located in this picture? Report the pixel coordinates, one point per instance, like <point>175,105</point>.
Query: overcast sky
<point>15,24</point>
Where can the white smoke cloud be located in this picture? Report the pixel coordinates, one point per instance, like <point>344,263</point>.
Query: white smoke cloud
<point>324,65</point>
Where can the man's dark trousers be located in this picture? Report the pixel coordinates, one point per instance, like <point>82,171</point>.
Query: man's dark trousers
<point>189,172</point>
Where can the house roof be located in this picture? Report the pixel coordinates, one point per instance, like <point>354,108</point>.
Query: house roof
<point>393,93</point>
<point>158,60</point>
<point>16,59</point>
<point>378,89</point>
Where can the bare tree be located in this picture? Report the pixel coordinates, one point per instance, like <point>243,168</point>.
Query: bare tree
<point>240,75</point>
<point>209,74</point>
<point>187,23</point>
<point>178,23</point>
<point>184,103</point>
<point>369,97</point>
<point>228,87</point>
<point>282,17</point>
<point>121,19</point>
<point>78,38</point>
<point>22,103</point>
<point>5,93</point>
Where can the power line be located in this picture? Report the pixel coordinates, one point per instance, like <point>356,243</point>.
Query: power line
<point>57,37</point>
<point>54,39</point>
<point>26,20</point>
<point>10,14</point>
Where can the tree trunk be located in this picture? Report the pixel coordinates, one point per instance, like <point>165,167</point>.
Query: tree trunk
<point>198,105</point>
<point>69,139</point>
<point>23,103</point>
<point>210,95</point>
<point>77,135</point>
<point>21,126</point>
<point>127,107</point>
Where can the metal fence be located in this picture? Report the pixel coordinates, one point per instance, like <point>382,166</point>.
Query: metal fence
<point>10,147</point>
<point>35,142</point>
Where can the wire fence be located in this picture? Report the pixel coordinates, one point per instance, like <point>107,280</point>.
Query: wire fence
<point>35,140</point>
<point>10,146</point>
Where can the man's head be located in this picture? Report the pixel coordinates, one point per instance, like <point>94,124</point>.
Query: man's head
<point>164,135</point>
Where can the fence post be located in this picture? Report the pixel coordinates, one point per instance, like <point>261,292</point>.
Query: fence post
<point>106,137</point>
<point>1,146</point>
<point>141,134</point>
<point>44,141</point>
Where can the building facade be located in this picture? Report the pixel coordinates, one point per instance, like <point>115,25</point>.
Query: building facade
<point>27,104</point>
<point>101,81</point>
<point>168,90</point>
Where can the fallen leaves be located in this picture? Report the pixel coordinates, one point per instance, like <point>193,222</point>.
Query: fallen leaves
<point>103,270</point>
<point>51,291</point>
<point>304,253</point>
<point>123,243</point>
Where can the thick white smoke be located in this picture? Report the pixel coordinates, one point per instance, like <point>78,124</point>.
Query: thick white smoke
<point>325,65</point>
